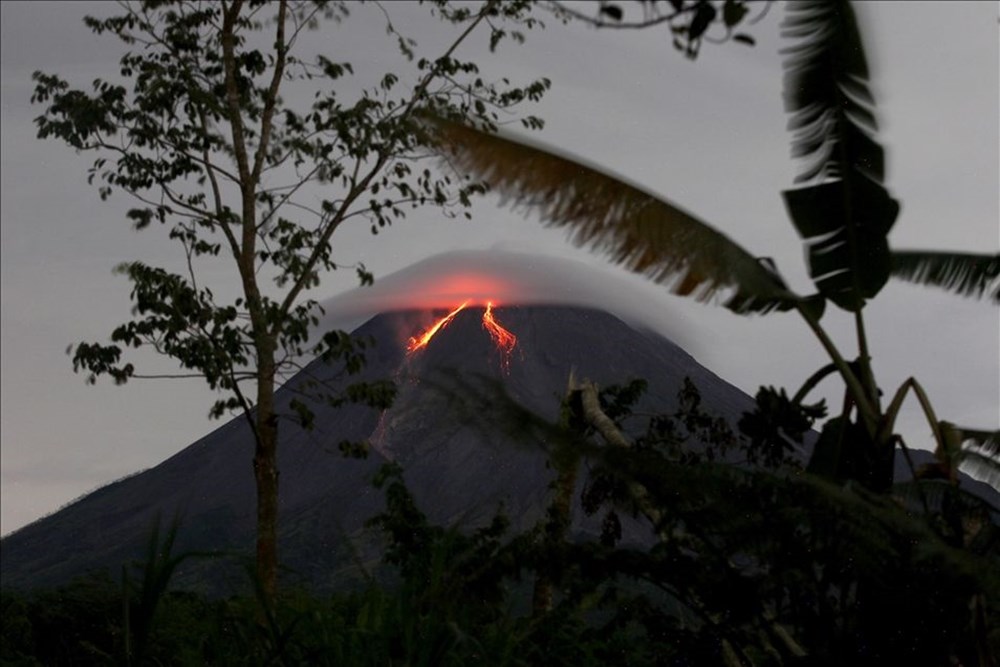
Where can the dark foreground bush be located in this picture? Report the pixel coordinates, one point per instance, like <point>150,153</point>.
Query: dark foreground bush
<point>742,566</point>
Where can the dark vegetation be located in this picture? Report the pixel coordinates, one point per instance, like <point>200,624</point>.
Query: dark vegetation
<point>204,139</point>
<point>754,557</point>
<point>746,565</point>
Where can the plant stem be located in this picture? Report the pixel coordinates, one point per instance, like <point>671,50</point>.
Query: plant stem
<point>868,413</point>
<point>867,376</point>
<point>811,383</point>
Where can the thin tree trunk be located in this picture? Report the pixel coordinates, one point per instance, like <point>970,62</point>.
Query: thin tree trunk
<point>591,413</point>
<point>265,467</point>
<point>557,527</point>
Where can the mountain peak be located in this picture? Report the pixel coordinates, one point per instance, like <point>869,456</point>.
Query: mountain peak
<point>457,427</point>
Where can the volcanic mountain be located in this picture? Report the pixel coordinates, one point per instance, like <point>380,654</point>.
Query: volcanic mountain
<point>463,427</point>
<point>457,427</point>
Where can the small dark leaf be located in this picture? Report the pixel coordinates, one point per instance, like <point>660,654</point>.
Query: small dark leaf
<point>744,38</point>
<point>703,16</point>
<point>364,276</point>
<point>141,217</point>
<point>611,529</point>
<point>733,12</point>
<point>305,415</point>
<point>613,12</point>
<point>354,449</point>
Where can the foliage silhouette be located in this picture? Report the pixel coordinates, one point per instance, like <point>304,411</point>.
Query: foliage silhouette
<point>743,565</point>
<point>843,211</point>
<point>215,145</point>
<point>691,22</point>
<point>840,207</point>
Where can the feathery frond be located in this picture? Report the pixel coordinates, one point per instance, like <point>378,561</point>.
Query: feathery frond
<point>826,93</point>
<point>962,273</point>
<point>987,442</point>
<point>981,466</point>
<point>974,450</point>
<point>845,213</point>
<point>633,228</point>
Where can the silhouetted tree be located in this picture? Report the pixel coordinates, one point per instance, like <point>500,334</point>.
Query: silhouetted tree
<point>206,134</point>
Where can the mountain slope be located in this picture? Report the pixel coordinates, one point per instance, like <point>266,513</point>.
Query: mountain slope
<point>449,429</point>
<point>468,429</point>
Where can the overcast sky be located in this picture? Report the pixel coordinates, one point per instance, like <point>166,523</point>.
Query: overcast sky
<point>709,135</point>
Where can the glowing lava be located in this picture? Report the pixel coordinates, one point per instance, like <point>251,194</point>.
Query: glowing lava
<point>504,340</point>
<point>419,342</point>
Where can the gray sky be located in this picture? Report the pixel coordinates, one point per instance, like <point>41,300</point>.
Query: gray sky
<point>709,135</point>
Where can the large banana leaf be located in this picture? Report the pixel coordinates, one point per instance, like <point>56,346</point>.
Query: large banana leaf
<point>963,273</point>
<point>845,213</point>
<point>633,228</point>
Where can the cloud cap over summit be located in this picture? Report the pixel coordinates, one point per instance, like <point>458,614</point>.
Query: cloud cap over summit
<point>507,278</point>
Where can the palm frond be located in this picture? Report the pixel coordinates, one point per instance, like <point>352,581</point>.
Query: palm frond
<point>987,442</point>
<point>958,438</point>
<point>631,227</point>
<point>845,214</point>
<point>826,92</point>
<point>981,466</point>
<point>962,273</point>
<point>975,451</point>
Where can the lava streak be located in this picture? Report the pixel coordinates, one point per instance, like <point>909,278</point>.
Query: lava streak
<point>503,339</point>
<point>419,342</point>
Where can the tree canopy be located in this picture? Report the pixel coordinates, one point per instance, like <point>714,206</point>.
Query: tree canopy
<point>207,128</point>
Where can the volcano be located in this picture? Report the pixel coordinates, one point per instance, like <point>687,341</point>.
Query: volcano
<point>461,427</point>
<point>457,428</point>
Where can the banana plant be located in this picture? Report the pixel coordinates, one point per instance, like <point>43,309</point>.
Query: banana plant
<point>839,205</point>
